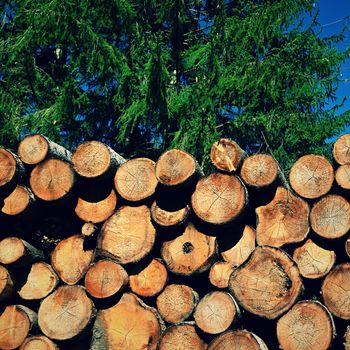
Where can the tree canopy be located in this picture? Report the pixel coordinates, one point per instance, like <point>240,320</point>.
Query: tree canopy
<point>147,75</point>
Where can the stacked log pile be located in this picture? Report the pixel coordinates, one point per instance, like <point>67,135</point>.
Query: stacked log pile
<point>99,252</point>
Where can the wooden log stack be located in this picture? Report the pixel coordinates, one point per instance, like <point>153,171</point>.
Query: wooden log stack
<point>99,252</point>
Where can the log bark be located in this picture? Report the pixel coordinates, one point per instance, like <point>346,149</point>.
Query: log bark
<point>308,325</point>
<point>341,149</point>
<point>336,291</point>
<point>347,339</point>
<point>128,235</point>
<point>38,342</point>
<point>220,273</point>
<point>169,219</point>
<point>284,220</point>
<point>66,313</point>
<point>311,176</point>
<point>176,303</point>
<point>136,179</point>
<point>190,253</point>
<point>227,155</point>
<point>342,176</point>
<point>268,284</point>
<point>70,260</point>
<point>219,199</point>
<point>216,312</point>
<point>6,284</point>
<point>330,216</point>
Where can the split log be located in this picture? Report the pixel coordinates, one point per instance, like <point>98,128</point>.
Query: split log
<point>128,235</point>
<point>38,342</point>
<point>227,155</point>
<point>6,284</point>
<point>313,261</point>
<point>128,325</point>
<point>219,199</point>
<point>151,280</point>
<point>95,160</point>
<point>216,312</point>
<point>311,176</point>
<point>181,337</point>
<point>15,324</point>
<point>268,284</point>
<point>168,219</point>
<point>220,273</point>
<point>284,220</point>
<point>105,279</point>
<point>70,260</point>
<point>176,303</point>
<point>347,338</point>
<point>341,149</point>
<point>342,176</point>
<point>330,216</point>
<point>52,179</point>
<point>190,253</point>
<point>308,325</point>
<point>136,179</point>
<point>336,291</point>
<point>41,281</point>
<point>237,340</point>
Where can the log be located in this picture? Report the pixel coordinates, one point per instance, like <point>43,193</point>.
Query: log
<point>312,260</point>
<point>136,179</point>
<point>342,176</point>
<point>105,278</point>
<point>176,303</point>
<point>52,180</point>
<point>70,260</point>
<point>347,339</point>
<point>6,284</point>
<point>220,273</point>
<point>190,253</point>
<point>341,149</point>
<point>284,220</point>
<point>181,337</point>
<point>96,212</point>
<point>151,280</point>
<point>41,281</point>
<point>336,291</point>
<point>66,313</point>
<point>128,325</point>
<point>311,176</point>
<point>169,219</point>
<point>268,284</point>
<point>215,312</point>
<point>15,324</point>
<point>237,340</point>
<point>227,155</point>
<point>219,199</point>
<point>308,325</point>
<point>347,247</point>
<point>128,235</point>
<point>95,160</point>
<point>330,216</point>
<point>38,342</point>
<point>88,229</point>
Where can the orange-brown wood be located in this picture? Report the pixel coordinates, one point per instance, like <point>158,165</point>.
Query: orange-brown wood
<point>347,338</point>
<point>219,198</point>
<point>220,273</point>
<point>308,325</point>
<point>6,283</point>
<point>88,229</point>
<point>341,149</point>
<point>20,202</point>
<point>311,176</point>
<point>347,247</point>
<point>38,342</point>
<point>166,218</point>
<point>342,176</point>
<point>268,284</point>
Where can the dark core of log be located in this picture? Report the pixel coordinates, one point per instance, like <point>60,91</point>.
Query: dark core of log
<point>308,325</point>
<point>6,283</point>
<point>347,338</point>
<point>284,220</point>
<point>341,149</point>
<point>38,342</point>
<point>166,218</point>
<point>336,291</point>
<point>7,166</point>
<point>311,176</point>
<point>342,176</point>
<point>268,284</point>
<point>219,199</point>
<point>220,273</point>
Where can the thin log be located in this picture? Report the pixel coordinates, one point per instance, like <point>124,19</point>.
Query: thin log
<point>347,339</point>
<point>168,219</point>
<point>38,342</point>
<point>347,247</point>
<point>6,284</point>
<point>341,149</point>
<point>220,273</point>
<point>88,229</point>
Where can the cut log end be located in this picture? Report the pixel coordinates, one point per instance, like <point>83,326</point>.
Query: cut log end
<point>7,166</point>
<point>341,149</point>
<point>220,273</point>
<point>342,176</point>
<point>33,149</point>
<point>166,218</point>
<point>18,201</point>
<point>12,249</point>
<point>88,229</point>
<point>6,283</point>
<point>39,342</point>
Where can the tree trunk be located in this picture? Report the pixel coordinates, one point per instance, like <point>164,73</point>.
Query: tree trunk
<point>38,342</point>
<point>341,149</point>
<point>6,284</point>
<point>220,273</point>
<point>342,177</point>
<point>168,219</point>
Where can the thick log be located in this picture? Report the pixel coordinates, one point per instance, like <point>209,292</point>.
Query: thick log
<point>312,260</point>
<point>219,199</point>
<point>347,339</point>
<point>70,260</point>
<point>308,325</point>
<point>38,342</point>
<point>330,216</point>
<point>220,273</point>
<point>341,149</point>
<point>311,176</point>
<point>190,253</point>
<point>128,235</point>
<point>268,284</point>
<point>15,324</point>
<point>6,284</point>
<point>105,279</point>
<point>216,312</point>
<point>41,281</point>
<point>168,219</point>
<point>66,313</point>
<point>176,303</point>
<point>342,177</point>
<point>336,291</point>
<point>237,340</point>
<point>227,155</point>
<point>151,280</point>
<point>136,179</point>
<point>128,325</point>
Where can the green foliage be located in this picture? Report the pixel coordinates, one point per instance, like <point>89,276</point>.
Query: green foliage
<point>147,75</point>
